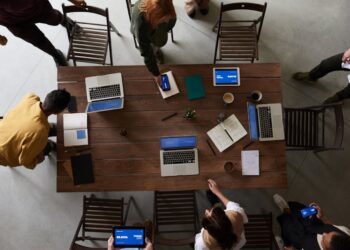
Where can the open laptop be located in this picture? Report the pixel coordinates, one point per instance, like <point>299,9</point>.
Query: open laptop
<point>104,92</point>
<point>179,156</point>
<point>265,122</point>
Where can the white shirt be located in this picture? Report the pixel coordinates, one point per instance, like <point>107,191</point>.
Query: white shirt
<point>231,206</point>
<point>341,228</point>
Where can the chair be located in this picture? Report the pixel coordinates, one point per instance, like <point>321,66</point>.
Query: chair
<point>99,216</point>
<point>258,232</point>
<point>175,213</point>
<point>130,5</point>
<point>305,127</point>
<point>237,40</point>
<point>89,42</point>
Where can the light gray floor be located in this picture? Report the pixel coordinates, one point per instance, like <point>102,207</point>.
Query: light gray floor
<point>296,33</point>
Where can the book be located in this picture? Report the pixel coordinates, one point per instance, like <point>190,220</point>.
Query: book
<point>82,169</point>
<point>194,87</point>
<point>250,162</point>
<point>227,133</point>
<point>75,132</point>
<point>173,86</point>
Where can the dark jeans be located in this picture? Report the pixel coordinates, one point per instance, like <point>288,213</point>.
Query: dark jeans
<point>30,33</point>
<point>328,65</point>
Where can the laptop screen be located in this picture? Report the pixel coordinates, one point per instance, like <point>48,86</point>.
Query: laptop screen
<point>253,124</point>
<point>179,142</point>
<point>105,105</point>
<point>226,76</point>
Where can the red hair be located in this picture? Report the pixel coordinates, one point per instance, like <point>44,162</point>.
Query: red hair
<point>155,10</point>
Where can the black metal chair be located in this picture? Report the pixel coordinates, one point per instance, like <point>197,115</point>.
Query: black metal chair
<point>305,127</point>
<point>237,40</point>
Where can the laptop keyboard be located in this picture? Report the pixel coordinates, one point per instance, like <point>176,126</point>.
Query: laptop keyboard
<point>178,157</point>
<point>104,92</point>
<point>265,122</point>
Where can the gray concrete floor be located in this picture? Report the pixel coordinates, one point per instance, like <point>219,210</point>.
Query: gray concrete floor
<point>296,33</point>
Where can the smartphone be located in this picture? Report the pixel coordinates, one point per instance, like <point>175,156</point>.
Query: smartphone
<point>72,105</point>
<point>307,212</point>
<point>165,84</point>
<point>129,237</point>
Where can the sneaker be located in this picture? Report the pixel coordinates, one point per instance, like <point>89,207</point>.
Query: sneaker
<point>303,76</point>
<point>212,198</point>
<point>332,99</point>
<point>60,59</point>
<point>280,202</point>
<point>50,147</point>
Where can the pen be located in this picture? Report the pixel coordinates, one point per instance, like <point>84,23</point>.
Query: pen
<point>248,144</point>
<point>212,150</point>
<point>169,116</point>
<point>222,125</point>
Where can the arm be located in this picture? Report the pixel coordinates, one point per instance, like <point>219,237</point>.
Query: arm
<point>3,40</point>
<point>320,215</point>
<point>216,190</point>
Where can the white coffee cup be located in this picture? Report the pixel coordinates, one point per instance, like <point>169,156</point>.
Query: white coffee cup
<point>228,98</point>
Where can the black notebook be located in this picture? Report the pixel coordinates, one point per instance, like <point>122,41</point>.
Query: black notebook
<point>82,169</point>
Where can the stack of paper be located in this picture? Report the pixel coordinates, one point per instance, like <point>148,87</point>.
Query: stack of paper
<point>227,133</point>
<point>75,129</point>
<point>250,162</point>
<point>173,86</point>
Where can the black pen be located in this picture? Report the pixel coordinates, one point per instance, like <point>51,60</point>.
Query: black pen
<point>222,125</point>
<point>169,116</point>
<point>248,144</point>
<point>212,150</point>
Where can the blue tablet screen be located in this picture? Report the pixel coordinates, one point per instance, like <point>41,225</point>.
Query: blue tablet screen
<point>226,77</point>
<point>129,237</point>
<point>178,142</point>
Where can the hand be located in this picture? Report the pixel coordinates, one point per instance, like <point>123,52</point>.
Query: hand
<point>346,56</point>
<point>149,245</point>
<point>288,248</point>
<point>213,187</point>
<point>110,243</point>
<point>157,80</point>
<point>3,40</point>
<point>40,158</point>
<point>78,3</point>
<point>319,214</point>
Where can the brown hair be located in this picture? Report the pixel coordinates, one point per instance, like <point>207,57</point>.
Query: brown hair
<point>155,10</point>
<point>220,228</point>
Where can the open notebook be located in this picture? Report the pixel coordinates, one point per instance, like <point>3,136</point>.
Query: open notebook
<point>75,129</point>
<point>227,133</point>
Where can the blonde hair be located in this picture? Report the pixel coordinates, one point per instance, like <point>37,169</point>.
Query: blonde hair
<point>155,10</point>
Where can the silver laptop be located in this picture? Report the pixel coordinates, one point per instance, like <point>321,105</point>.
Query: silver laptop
<point>104,92</point>
<point>266,122</point>
<point>179,156</point>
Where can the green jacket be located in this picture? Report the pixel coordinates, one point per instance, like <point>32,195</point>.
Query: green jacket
<point>146,37</point>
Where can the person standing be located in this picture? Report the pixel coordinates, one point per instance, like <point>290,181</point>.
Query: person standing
<point>151,20</point>
<point>21,16</point>
<point>24,131</point>
<point>333,63</point>
<point>191,6</point>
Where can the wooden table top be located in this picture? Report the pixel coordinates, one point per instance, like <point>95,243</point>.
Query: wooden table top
<point>130,163</point>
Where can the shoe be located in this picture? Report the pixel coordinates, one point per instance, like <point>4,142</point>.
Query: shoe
<point>212,198</point>
<point>204,12</point>
<point>280,202</point>
<point>159,57</point>
<point>60,59</point>
<point>332,99</point>
<point>303,76</point>
<point>50,147</point>
<point>53,130</point>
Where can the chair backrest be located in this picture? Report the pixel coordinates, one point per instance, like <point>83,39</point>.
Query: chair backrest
<point>258,232</point>
<point>305,127</point>
<point>87,8</point>
<point>175,213</point>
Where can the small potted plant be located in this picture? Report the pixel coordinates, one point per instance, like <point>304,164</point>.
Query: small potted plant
<point>190,114</point>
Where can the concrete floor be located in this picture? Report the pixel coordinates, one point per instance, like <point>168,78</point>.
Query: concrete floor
<point>296,33</point>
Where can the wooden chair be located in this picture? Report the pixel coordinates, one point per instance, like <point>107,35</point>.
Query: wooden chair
<point>89,42</point>
<point>130,5</point>
<point>305,127</point>
<point>237,40</point>
<point>175,213</point>
<point>258,232</point>
<point>99,216</point>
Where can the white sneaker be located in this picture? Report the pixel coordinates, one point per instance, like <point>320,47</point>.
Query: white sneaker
<point>280,202</point>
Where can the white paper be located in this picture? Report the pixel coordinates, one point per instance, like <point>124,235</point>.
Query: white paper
<point>250,162</point>
<point>173,86</point>
<point>75,129</point>
<point>220,138</point>
<point>74,121</point>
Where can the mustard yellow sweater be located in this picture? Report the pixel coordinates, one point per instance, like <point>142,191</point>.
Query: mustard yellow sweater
<point>23,133</point>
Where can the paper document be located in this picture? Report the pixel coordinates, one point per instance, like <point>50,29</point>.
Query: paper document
<point>75,129</point>
<point>227,133</point>
<point>173,86</point>
<point>250,162</point>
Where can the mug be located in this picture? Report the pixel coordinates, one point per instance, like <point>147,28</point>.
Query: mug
<point>228,98</point>
<point>255,96</point>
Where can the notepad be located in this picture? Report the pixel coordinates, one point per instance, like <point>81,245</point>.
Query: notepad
<point>250,162</point>
<point>75,129</point>
<point>194,87</point>
<point>227,133</point>
<point>173,86</point>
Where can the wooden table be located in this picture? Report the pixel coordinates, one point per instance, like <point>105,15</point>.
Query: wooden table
<point>132,162</point>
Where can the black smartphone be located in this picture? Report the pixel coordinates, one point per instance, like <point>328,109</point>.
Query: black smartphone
<point>72,105</point>
<point>129,237</point>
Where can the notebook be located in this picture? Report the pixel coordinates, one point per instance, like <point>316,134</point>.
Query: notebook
<point>194,87</point>
<point>173,86</point>
<point>250,162</point>
<point>82,169</point>
<point>226,133</point>
<point>75,129</point>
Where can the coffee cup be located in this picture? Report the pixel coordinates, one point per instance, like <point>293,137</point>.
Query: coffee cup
<point>255,96</point>
<point>229,167</point>
<point>228,98</point>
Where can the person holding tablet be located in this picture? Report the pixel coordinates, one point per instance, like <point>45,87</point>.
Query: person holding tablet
<point>148,246</point>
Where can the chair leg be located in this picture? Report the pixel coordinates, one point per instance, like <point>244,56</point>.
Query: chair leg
<point>136,46</point>
<point>215,27</point>
<point>114,29</point>
<point>172,36</point>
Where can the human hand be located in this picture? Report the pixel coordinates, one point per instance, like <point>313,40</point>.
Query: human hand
<point>110,243</point>
<point>346,56</point>
<point>213,187</point>
<point>149,245</point>
<point>319,214</point>
<point>40,158</point>
<point>288,248</point>
<point>157,80</point>
<point>78,3</point>
<point>3,40</point>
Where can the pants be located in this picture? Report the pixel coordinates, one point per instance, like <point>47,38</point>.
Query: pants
<point>30,33</point>
<point>328,65</point>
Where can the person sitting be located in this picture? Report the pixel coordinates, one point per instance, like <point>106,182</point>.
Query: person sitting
<point>333,63</point>
<point>222,229</point>
<point>151,20</point>
<point>24,130</point>
<point>312,233</point>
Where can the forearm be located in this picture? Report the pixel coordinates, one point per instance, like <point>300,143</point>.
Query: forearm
<point>222,198</point>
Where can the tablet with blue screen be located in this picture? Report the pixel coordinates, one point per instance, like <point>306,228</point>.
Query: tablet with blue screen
<point>226,76</point>
<point>129,237</point>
